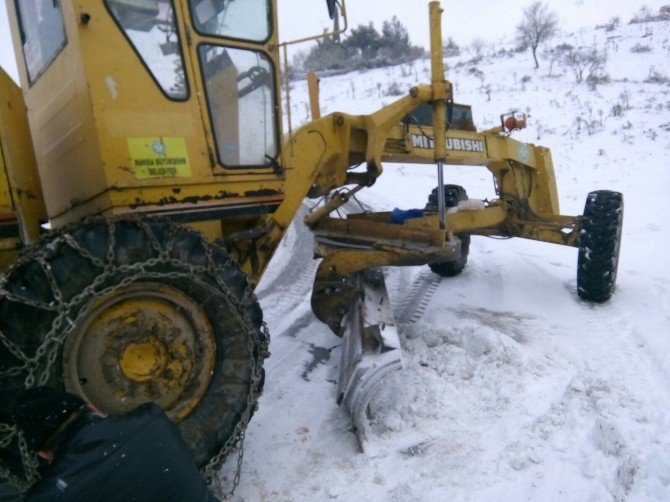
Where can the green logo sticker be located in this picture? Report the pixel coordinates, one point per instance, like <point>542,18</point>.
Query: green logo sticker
<point>159,157</point>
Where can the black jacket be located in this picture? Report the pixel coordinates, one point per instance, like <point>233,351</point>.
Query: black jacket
<point>137,456</point>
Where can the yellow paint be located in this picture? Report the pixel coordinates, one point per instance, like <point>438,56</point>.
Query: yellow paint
<point>144,361</point>
<point>313,88</point>
<point>24,192</point>
<point>97,94</point>
<point>108,141</point>
<point>159,158</point>
<point>439,84</point>
<point>6,203</point>
<point>176,367</point>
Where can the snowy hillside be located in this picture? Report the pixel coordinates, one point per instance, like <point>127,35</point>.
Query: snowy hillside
<point>513,389</point>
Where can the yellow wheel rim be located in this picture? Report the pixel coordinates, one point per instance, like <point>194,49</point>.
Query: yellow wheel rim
<point>147,342</point>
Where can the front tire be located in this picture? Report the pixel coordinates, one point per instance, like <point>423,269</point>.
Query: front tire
<point>453,194</point>
<point>599,246</point>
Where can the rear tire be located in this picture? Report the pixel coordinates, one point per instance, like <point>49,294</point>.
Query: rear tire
<point>599,245</point>
<point>105,276</point>
<point>453,194</point>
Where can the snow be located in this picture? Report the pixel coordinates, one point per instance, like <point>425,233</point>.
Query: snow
<point>513,388</point>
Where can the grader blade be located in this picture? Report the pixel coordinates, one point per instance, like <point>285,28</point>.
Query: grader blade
<point>370,349</point>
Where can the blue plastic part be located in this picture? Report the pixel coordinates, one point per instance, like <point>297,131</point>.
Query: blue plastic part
<point>399,216</point>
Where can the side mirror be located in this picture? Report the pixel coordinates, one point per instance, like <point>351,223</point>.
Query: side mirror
<point>332,12</point>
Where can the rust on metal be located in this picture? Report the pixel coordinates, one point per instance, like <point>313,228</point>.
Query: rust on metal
<point>148,342</point>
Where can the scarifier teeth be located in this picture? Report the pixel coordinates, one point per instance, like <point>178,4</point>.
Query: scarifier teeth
<point>370,350</point>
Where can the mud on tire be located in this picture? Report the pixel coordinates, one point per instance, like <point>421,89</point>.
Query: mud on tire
<point>453,194</point>
<point>599,245</point>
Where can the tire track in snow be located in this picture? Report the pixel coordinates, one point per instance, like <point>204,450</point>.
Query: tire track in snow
<point>594,411</point>
<point>299,339</point>
<point>655,355</point>
<point>289,288</point>
<point>414,303</point>
<point>626,350</point>
<point>608,404</point>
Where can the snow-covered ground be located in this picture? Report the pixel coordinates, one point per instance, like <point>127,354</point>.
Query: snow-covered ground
<point>513,388</point>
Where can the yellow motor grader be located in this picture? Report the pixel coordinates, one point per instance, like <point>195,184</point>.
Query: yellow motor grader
<point>145,183</point>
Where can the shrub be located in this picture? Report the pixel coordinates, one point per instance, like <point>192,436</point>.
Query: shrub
<point>613,24</point>
<point>557,54</point>
<point>587,64</point>
<point>327,54</point>
<point>476,72</point>
<point>395,89</point>
<point>365,47</point>
<point>639,48</point>
<point>642,16</point>
<point>645,15</point>
<point>656,77</point>
<point>451,49</point>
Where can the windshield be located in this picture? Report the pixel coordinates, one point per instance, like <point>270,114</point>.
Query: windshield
<point>152,30</point>
<point>241,19</point>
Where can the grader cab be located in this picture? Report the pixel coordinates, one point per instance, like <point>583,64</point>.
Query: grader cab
<point>147,136</point>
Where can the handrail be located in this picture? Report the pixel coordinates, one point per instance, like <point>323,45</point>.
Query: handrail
<point>284,46</point>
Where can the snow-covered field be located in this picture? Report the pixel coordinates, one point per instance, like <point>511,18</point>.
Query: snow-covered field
<point>513,389</point>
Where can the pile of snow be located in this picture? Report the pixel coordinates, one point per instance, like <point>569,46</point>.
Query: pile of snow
<point>513,389</point>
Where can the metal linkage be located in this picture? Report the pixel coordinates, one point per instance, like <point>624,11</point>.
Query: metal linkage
<point>440,195</point>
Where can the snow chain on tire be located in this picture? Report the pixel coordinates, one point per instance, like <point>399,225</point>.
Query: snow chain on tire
<point>55,281</point>
<point>599,245</point>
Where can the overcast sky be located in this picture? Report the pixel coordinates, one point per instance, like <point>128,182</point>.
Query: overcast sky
<point>463,20</point>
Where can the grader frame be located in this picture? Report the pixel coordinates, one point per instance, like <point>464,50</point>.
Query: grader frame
<point>109,142</point>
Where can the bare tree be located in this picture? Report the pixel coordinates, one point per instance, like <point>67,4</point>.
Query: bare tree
<point>538,24</point>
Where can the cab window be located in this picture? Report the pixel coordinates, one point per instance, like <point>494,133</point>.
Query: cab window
<point>42,34</point>
<point>151,28</point>
<point>239,87</point>
<point>240,19</point>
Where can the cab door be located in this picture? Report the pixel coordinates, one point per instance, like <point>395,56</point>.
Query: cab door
<point>233,49</point>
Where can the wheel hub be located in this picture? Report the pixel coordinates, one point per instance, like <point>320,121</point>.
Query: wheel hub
<point>148,342</point>
<point>144,361</point>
